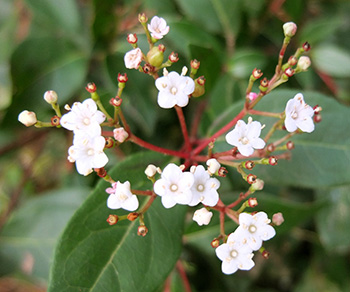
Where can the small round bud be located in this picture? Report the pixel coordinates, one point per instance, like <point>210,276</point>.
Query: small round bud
<point>55,121</point>
<point>304,63</point>
<point>252,202</point>
<point>290,145</point>
<point>133,216</point>
<point>122,78</point>
<point>112,219</point>
<point>252,96</point>
<point>151,170</point>
<point>222,171</point>
<point>120,134</point>
<point>249,164</point>
<point>292,61</point>
<point>213,165</point>
<point>199,88</point>
<point>306,46</point>
<point>277,219</point>
<point>256,74</point>
<point>215,243</point>
<point>265,254</point>
<point>272,160</point>
<point>132,38</point>
<point>317,118</point>
<point>195,64</point>
<point>148,68</point>
<point>289,29</point>
<point>91,87</point>
<point>143,18</point>
<point>289,72</point>
<point>270,147</point>
<point>109,142</point>
<point>27,118</point>
<point>264,83</point>
<point>317,109</point>
<point>258,185</point>
<point>50,96</point>
<point>173,57</point>
<point>202,216</point>
<point>142,230</point>
<point>101,172</point>
<point>251,178</point>
<point>116,101</point>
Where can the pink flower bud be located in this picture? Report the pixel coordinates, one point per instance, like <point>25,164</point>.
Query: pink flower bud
<point>304,63</point>
<point>252,96</point>
<point>132,38</point>
<point>120,134</point>
<point>27,118</point>
<point>277,219</point>
<point>289,29</point>
<point>202,216</point>
<point>50,96</point>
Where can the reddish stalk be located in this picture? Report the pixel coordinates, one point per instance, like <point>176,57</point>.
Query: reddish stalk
<point>182,121</point>
<point>180,268</point>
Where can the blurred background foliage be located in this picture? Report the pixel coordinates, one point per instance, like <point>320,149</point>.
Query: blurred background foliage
<point>63,45</point>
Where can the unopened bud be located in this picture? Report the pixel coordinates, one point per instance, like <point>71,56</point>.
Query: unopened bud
<point>143,18</point>
<point>264,83</point>
<point>270,147</point>
<point>133,216</point>
<point>112,219</point>
<point>272,160</point>
<point>55,121</point>
<point>50,96</point>
<point>306,46</point>
<point>132,38</point>
<point>142,230</point>
<point>195,64</point>
<point>199,88</point>
<point>265,254</point>
<point>116,101</point>
<point>202,216</point>
<point>251,178</point>
<point>290,145</point>
<point>252,96</point>
<point>317,109</point>
<point>215,243</point>
<point>222,171</point>
<point>120,134</point>
<point>289,72</point>
<point>155,56</point>
<point>109,142</point>
<point>256,74</point>
<point>91,87</point>
<point>151,170</point>
<point>252,202</point>
<point>277,219</point>
<point>148,68</point>
<point>122,78</point>
<point>258,185</point>
<point>173,57</point>
<point>289,29</point>
<point>317,118</point>
<point>292,61</point>
<point>304,63</point>
<point>27,118</point>
<point>213,165</point>
<point>101,172</point>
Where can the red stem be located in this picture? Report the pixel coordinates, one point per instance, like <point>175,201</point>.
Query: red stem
<point>182,272</point>
<point>182,121</point>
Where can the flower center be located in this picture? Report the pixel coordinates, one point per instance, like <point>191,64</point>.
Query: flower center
<point>244,140</point>
<point>90,152</point>
<point>252,228</point>
<point>122,197</point>
<point>86,121</point>
<point>294,114</point>
<point>173,188</point>
<point>200,188</point>
<point>173,90</point>
<point>233,254</point>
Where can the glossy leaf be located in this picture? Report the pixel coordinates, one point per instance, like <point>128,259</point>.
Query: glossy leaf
<point>93,256</point>
<point>32,231</point>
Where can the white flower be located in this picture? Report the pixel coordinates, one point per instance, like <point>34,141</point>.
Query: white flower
<point>174,186</point>
<point>255,229</point>
<point>299,115</point>
<point>174,89</point>
<point>27,118</point>
<point>87,152</point>
<point>213,165</point>
<point>202,216</point>
<point>133,58</point>
<point>235,254</point>
<point>158,27</point>
<point>120,134</point>
<point>121,197</point>
<point>246,137</point>
<point>204,188</point>
<point>84,117</point>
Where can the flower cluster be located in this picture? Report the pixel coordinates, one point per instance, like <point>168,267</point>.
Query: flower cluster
<point>237,252</point>
<point>84,120</point>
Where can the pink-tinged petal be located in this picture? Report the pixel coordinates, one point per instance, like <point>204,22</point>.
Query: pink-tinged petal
<point>168,201</point>
<point>258,143</point>
<point>130,204</point>
<point>229,267</point>
<point>222,251</point>
<point>113,202</point>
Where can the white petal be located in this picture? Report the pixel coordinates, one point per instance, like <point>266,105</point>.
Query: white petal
<point>258,143</point>
<point>113,202</point>
<point>245,150</point>
<point>222,251</point>
<point>168,201</point>
<point>160,187</point>
<point>229,267</point>
<point>290,125</point>
<point>130,204</point>
<point>306,125</point>
<point>166,100</point>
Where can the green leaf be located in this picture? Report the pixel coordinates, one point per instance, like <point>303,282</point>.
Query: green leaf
<point>333,219</point>
<point>33,229</point>
<point>332,60</point>
<point>320,159</point>
<point>93,256</point>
